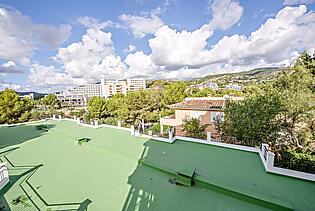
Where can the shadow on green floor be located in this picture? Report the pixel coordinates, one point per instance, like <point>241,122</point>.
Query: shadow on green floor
<point>13,180</point>
<point>146,191</point>
<point>153,182</point>
<point>18,134</point>
<point>30,193</point>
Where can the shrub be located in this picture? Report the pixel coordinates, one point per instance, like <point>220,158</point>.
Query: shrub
<point>296,161</point>
<point>194,128</point>
<point>110,121</point>
<point>157,127</point>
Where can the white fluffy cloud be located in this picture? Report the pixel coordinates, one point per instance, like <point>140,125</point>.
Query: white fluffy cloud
<point>141,25</point>
<point>14,86</point>
<point>145,23</point>
<point>291,29</point>
<point>175,49</point>
<point>130,49</point>
<point>20,37</point>
<point>141,64</point>
<point>90,22</point>
<point>81,62</point>
<point>79,58</point>
<point>48,75</point>
<point>172,48</point>
<point>9,67</point>
<point>274,42</point>
<point>225,13</point>
<point>184,54</point>
<point>295,2</point>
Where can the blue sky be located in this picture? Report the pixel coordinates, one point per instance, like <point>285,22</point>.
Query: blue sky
<point>52,45</point>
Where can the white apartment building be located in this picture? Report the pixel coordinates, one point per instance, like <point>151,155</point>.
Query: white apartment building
<point>72,100</point>
<point>136,84</point>
<point>78,96</point>
<point>88,90</point>
<point>209,84</point>
<point>235,87</point>
<point>112,87</point>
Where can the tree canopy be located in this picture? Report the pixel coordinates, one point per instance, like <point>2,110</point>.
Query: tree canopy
<point>194,128</point>
<point>13,108</point>
<point>279,112</point>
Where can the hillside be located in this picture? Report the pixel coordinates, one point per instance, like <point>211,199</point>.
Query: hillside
<point>36,94</point>
<point>257,75</point>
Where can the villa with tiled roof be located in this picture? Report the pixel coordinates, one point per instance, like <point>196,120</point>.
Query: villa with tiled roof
<point>206,109</point>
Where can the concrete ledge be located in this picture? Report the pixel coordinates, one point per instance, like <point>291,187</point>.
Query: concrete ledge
<point>156,138</point>
<point>115,127</point>
<point>292,173</point>
<point>23,123</point>
<point>220,144</point>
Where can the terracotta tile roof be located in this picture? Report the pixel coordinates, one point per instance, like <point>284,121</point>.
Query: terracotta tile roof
<point>199,104</point>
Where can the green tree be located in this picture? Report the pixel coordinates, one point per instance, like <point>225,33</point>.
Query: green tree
<point>50,102</point>
<point>174,92</point>
<point>97,108</point>
<point>307,61</point>
<point>116,105</point>
<point>229,92</point>
<point>137,107</point>
<point>278,112</point>
<point>194,128</point>
<point>252,121</point>
<point>195,92</point>
<point>14,109</point>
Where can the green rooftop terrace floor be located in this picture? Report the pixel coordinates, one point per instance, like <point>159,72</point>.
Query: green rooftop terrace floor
<point>55,172</point>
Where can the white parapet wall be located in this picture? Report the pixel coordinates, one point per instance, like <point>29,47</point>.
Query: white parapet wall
<point>267,159</point>
<point>4,175</point>
<point>209,136</point>
<point>24,123</point>
<point>220,144</point>
<point>132,130</point>
<point>265,155</point>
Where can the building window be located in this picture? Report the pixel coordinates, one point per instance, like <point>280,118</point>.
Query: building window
<point>217,116</point>
<point>195,114</point>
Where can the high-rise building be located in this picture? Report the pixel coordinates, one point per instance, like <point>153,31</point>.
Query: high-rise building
<point>79,95</point>
<point>88,90</point>
<point>135,84</point>
<point>72,100</point>
<point>112,87</point>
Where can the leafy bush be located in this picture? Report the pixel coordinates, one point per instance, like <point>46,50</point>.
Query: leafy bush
<point>38,115</point>
<point>194,128</point>
<point>77,113</point>
<point>87,117</point>
<point>157,127</point>
<point>13,108</point>
<point>296,161</point>
<point>110,121</point>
